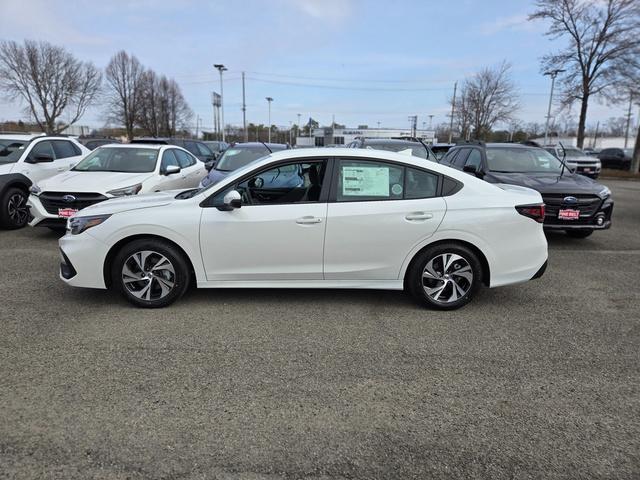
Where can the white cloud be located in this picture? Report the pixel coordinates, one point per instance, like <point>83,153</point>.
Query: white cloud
<point>333,11</point>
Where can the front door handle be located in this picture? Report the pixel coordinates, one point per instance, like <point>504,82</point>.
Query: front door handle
<point>308,220</point>
<point>418,216</point>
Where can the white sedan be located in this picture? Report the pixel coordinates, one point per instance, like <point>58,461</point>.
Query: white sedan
<point>353,219</point>
<point>112,171</point>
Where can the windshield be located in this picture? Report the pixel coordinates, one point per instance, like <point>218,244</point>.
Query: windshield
<point>406,148</point>
<point>7,146</point>
<point>522,160</point>
<point>11,155</point>
<point>236,157</point>
<point>118,159</point>
<point>574,152</point>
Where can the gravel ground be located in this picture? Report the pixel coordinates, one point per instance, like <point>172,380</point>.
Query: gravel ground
<point>531,381</point>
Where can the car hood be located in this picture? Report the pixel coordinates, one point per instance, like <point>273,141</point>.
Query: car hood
<point>74,181</point>
<point>548,183</point>
<point>6,168</point>
<point>133,202</point>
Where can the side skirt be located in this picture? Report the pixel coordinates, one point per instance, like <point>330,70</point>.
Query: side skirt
<point>346,284</point>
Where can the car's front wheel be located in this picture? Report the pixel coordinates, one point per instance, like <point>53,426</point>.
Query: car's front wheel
<point>445,276</point>
<point>14,212</point>
<point>580,233</point>
<point>150,273</point>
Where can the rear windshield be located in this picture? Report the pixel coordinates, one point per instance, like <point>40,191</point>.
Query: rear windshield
<point>407,148</point>
<point>125,160</point>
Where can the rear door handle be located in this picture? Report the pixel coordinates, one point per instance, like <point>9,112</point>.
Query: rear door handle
<point>418,216</point>
<point>308,220</point>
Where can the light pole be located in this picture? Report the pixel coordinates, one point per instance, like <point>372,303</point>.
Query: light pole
<point>553,74</point>
<point>269,100</point>
<point>430,121</point>
<point>221,68</point>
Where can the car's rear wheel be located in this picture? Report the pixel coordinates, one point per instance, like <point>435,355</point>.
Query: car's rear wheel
<point>445,276</point>
<point>580,233</point>
<point>150,273</point>
<point>14,212</point>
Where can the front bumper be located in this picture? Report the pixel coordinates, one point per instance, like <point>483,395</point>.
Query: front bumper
<point>598,220</point>
<point>83,258</point>
<point>38,215</point>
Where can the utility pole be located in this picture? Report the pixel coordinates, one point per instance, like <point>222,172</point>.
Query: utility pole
<point>244,113</point>
<point>197,125</point>
<point>453,107</point>
<point>553,74</point>
<point>269,100</point>
<point>626,132</point>
<point>221,68</point>
<point>290,128</point>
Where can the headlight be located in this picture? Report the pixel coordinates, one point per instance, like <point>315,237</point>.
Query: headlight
<point>35,190</point>
<point>123,192</point>
<point>604,193</point>
<point>77,225</point>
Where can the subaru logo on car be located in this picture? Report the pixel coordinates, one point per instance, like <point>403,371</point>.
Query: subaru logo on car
<point>570,201</point>
<point>69,198</point>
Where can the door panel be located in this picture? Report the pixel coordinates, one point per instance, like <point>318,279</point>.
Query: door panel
<point>264,242</point>
<point>370,240</point>
<point>41,171</point>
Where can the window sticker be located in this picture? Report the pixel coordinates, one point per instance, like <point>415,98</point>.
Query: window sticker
<point>396,189</point>
<point>365,181</point>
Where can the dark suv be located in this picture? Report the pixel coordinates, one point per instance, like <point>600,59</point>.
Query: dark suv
<point>616,158</point>
<point>196,147</point>
<point>414,147</point>
<point>574,203</point>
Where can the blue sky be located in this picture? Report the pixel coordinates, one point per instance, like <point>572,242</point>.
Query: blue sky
<point>364,61</point>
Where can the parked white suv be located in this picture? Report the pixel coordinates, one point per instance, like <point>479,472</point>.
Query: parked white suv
<point>353,219</point>
<point>39,158</point>
<point>577,160</point>
<point>112,171</point>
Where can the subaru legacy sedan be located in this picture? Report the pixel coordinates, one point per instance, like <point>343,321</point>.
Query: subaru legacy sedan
<point>355,219</point>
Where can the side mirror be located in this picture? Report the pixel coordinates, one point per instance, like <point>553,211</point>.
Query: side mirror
<point>172,169</point>
<point>231,201</point>
<point>209,165</point>
<point>473,170</point>
<point>41,158</point>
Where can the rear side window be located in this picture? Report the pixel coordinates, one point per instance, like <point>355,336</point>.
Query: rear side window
<point>362,181</point>
<point>184,159</point>
<point>420,184</point>
<point>65,149</point>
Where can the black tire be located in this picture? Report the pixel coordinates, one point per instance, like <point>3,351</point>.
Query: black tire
<point>178,275</point>
<point>580,233</point>
<point>13,208</point>
<point>417,284</point>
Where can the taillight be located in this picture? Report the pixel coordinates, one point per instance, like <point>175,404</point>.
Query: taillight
<point>535,212</point>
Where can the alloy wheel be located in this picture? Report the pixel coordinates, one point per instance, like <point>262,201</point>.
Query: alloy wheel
<point>447,277</point>
<point>17,209</point>
<point>148,275</point>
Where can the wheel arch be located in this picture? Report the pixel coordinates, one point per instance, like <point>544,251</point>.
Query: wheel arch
<point>115,248</point>
<point>486,271</point>
<point>14,180</point>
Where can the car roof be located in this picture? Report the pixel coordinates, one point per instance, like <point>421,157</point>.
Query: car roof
<point>155,146</point>
<point>259,145</point>
<point>397,141</point>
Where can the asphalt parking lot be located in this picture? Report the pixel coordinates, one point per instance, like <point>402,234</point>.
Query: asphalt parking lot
<point>532,381</point>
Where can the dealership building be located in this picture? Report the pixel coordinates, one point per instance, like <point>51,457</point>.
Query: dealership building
<point>324,136</point>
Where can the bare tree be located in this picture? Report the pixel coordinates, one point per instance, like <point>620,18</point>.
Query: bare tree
<point>485,99</point>
<point>616,126</point>
<point>163,109</point>
<point>50,80</point>
<point>603,40</point>
<point>124,76</point>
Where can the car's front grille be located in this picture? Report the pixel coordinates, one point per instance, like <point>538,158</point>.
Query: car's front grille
<point>53,201</point>
<point>587,204</point>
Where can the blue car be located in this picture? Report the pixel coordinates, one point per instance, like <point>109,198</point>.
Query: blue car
<point>242,154</point>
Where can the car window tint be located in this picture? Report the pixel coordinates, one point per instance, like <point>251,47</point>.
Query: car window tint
<point>184,159</point>
<point>449,157</point>
<point>168,159</point>
<point>369,180</point>
<point>192,147</point>
<point>420,184</point>
<point>63,149</point>
<point>460,158</point>
<point>203,149</point>
<point>42,148</point>
<point>474,159</point>
<point>284,184</point>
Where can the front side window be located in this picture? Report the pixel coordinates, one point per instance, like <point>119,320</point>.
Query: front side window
<point>119,159</point>
<point>461,158</point>
<point>474,159</point>
<point>369,180</point>
<point>184,159</point>
<point>42,148</point>
<point>203,149</point>
<point>169,159</point>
